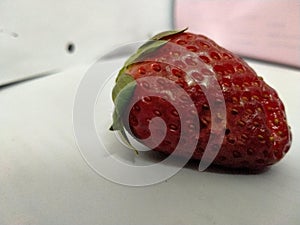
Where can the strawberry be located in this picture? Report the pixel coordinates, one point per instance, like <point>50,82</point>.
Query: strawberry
<point>253,124</point>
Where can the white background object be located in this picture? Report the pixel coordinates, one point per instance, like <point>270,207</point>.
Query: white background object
<point>34,34</point>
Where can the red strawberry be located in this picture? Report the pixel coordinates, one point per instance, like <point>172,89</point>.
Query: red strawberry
<point>254,125</point>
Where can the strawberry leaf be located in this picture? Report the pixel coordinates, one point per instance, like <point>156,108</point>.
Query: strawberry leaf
<point>122,81</point>
<point>167,33</point>
<point>122,93</point>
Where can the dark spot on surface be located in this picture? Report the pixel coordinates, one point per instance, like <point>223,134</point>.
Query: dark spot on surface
<point>70,47</point>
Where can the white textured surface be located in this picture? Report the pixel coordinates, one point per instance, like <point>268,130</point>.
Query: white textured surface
<point>44,180</point>
<point>44,28</point>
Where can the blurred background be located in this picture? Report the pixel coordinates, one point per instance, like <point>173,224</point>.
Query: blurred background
<point>264,30</point>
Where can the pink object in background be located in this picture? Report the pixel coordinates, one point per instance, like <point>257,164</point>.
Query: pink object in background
<point>266,30</point>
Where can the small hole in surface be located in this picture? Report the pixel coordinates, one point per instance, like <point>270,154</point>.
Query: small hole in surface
<point>70,47</point>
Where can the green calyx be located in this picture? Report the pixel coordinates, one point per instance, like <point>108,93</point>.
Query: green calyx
<point>166,34</point>
<point>121,94</point>
<point>125,83</point>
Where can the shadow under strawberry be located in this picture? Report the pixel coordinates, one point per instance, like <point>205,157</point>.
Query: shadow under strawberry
<point>193,164</point>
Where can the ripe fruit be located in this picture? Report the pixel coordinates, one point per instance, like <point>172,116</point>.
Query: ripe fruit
<point>253,127</point>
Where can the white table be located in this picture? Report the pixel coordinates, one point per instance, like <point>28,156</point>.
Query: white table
<point>44,180</point>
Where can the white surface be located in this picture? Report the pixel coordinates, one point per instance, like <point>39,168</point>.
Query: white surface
<point>44,180</point>
<point>34,34</point>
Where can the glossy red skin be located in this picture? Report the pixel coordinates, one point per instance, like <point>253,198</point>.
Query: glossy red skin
<point>256,134</point>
